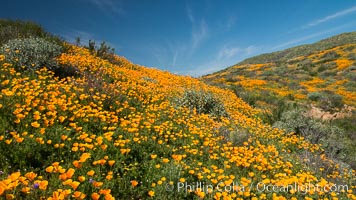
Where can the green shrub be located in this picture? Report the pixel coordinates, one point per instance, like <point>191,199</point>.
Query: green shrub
<point>350,86</point>
<point>352,56</point>
<point>15,29</point>
<point>326,66</point>
<point>322,68</point>
<point>104,51</point>
<point>331,101</point>
<point>249,97</point>
<point>239,136</point>
<point>276,110</point>
<point>203,102</point>
<point>328,73</point>
<point>314,96</point>
<point>348,124</point>
<point>332,138</point>
<point>329,56</point>
<point>327,100</point>
<point>31,53</point>
<point>267,73</point>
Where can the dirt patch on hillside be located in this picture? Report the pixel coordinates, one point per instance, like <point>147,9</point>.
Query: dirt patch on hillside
<point>318,113</point>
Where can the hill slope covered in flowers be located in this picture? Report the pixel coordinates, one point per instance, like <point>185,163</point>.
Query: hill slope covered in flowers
<point>302,73</point>
<point>123,131</point>
<point>308,89</point>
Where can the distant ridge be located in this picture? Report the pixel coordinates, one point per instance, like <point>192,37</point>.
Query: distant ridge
<point>284,55</point>
<point>297,72</point>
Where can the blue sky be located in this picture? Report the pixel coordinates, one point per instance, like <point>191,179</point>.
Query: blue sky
<point>189,37</point>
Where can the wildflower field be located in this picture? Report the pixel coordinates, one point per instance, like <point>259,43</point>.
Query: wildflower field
<point>123,131</point>
<point>308,89</point>
<point>331,69</point>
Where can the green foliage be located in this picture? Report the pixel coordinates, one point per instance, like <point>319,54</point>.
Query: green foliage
<point>30,53</point>
<point>91,47</point>
<point>327,66</point>
<point>352,56</point>
<point>333,138</point>
<point>315,96</point>
<point>351,85</point>
<point>328,73</point>
<point>294,70</point>
<point>276,111</point>
<point>237,136</point>
<point>306,65</point>
<point>248,97</point>
<point>104,51</point>
<point>327,100</point>
<point>352,76</point>
<point>348,124</point>
<point>10,30</point>
<point>77,41</point>
<point>331,101</point>
<point>15,29</point>
<point>329,56</point>
<point>203,102</point>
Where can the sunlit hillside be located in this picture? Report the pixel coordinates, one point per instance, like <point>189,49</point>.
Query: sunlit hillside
<point>299,73</point>
<point>78,126</point>
<point>308,89</point>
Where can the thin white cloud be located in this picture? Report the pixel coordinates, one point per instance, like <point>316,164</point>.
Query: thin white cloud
<point>198,72</point>
<point>199,33</point>
<point>199,29</point>
<point>227,52</point>
<point>114,6</point>
<point>174,60</point>
<point>231,52</point>
<point>160,54</point>
<point>225,57</point>
<point>252,49</point>
<point>330,17</point>
<point>294,41</point>
<point>230,22</point>
<point>190,15</point>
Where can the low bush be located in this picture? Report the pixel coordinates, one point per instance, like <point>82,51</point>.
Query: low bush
<point>15,29</point>
<point>31,53</point>
<point>203,102</point>
<point>328,73</point>
<point>103,51</point>
<point>352,56</point>
<point>327,100</point>
<point>333,139</point>
<point>237,136</point>
<point>331,101</point>
<point>329,56</point>
<point>315,96</point>
<point>276,110</point>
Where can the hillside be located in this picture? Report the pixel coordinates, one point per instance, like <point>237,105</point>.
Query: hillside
<point>77,123</point>
<point>309,90</point>
<point>282,56</point>
<point>301,73</point>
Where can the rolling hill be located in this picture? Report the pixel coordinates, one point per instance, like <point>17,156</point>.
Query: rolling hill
<point>306,72</point>
<point>312,84</point>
